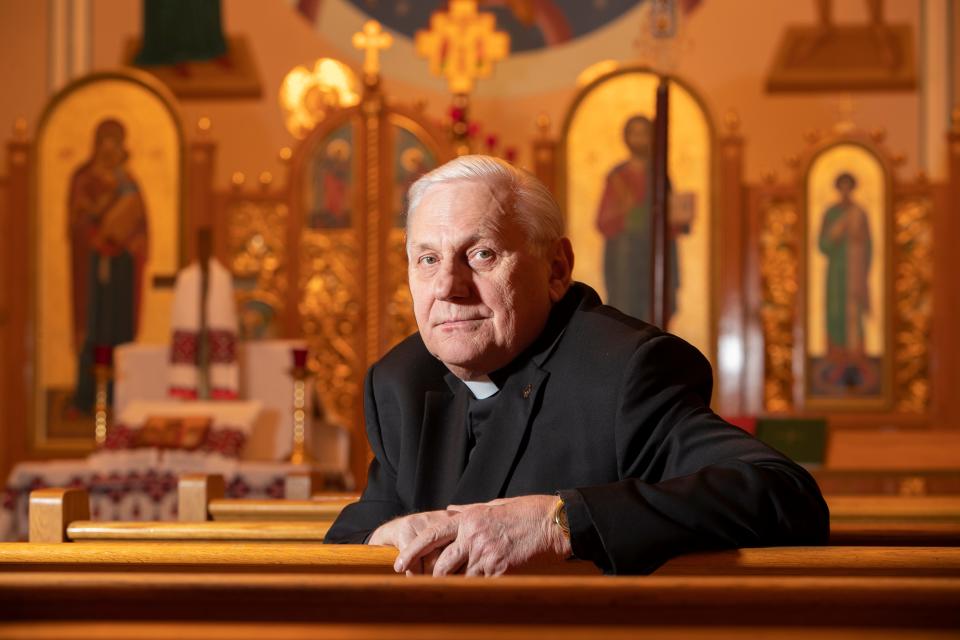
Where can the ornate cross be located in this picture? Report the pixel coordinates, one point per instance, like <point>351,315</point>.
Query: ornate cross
<point>372,39</point>
<point>462,45</point>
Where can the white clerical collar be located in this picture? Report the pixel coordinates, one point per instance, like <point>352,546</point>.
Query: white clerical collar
<point>483,388</point>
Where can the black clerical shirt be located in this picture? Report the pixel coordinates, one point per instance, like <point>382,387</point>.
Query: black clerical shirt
<point>478,413</point>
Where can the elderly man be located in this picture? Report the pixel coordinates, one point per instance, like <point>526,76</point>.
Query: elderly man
<point>526,419</point>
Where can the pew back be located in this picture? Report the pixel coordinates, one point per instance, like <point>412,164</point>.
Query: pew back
<point>583,602</point>
<point>894,508</point>
<point>201,498</point>
<point>281,557</point>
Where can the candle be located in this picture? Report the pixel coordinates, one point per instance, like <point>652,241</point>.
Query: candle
<point>299,357</point>
<point>103,355</point>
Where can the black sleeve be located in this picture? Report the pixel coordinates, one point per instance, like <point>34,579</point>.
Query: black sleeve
<point>690,480</point>
<point>379,502</point>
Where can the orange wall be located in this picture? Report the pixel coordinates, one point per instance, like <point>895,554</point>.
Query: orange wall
<point>23,64</point>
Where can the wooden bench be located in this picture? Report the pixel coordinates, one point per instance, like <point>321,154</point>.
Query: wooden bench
<point>585,602</point>
<point>879,508</point>
<point>282,557</point>
<point>283,630</point>
<point>196,557</point>
<point>63,515</point>
<point>895,482</point>
<point>891,520</point>
<point>200,498</point>
<point>895,534</point>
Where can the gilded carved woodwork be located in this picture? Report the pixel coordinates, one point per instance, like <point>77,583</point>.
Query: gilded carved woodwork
<point>913,302</point>
<point>400,320</point>
<point>780,247</point>
<point>330,311</point>
<point>779,275</point>
<point>257,252</point>
<point>372,108</point>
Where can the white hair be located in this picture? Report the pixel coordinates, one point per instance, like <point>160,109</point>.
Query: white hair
<point>529,201</point>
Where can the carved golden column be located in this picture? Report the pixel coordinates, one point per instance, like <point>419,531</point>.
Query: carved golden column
<point>372,108</point>
<point>371,41</point>
<point>373,137</point>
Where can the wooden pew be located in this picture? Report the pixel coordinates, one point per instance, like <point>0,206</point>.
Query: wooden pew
<point>63,515</point>
<point>203,496</point>
<point>282,630</point>
<point>895,482</point>
<point>60,515</point>
<point>862,520</point>
<point>890,520</point>
<point>878,508</point>
<point>284,557</point>
<point>589,604</point>
<point>197,557</point>
<point>200,498</point>
<point>895,534</point>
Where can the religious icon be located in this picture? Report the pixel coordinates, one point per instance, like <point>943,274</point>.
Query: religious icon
<point>107,223</point>
<point>108,207</point>
<point>607,193</point>
<point>624,217</point>
<point>846,338</point>
<point>412,160</point>
<point>257,319</point>
<point>331,194</point>
<point>846,243</point>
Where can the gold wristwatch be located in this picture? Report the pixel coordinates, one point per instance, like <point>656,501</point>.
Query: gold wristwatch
<point>560,517</point>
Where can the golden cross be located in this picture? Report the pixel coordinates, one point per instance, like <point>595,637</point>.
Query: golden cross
<point>462,45</point>
<point>372,39</point>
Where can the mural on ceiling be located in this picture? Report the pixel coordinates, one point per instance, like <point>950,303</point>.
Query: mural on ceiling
<point>532,24</point>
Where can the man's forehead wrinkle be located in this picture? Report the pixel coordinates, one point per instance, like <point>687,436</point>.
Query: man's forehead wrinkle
<point>488,213</point>
<point>497,195</point>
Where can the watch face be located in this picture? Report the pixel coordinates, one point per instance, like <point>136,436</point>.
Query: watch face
<point>560,516</point>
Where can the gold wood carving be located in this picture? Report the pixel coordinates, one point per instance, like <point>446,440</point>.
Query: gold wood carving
<point>400,320</point>
<point>257,252</point>
<point>913,238</point>
<point>330,317</point>
<point>372,108</point>
<point>779,271</point>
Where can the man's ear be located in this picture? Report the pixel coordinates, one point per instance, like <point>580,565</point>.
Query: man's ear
<point>561,269</point>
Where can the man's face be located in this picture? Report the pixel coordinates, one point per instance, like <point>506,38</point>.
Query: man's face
<point>479,294</point>
<point>111,151</point>
<point>637,138</point>
<point>845,187</point>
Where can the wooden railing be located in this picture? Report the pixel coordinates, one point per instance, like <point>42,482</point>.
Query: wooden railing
<point>201,498</point>
<point>876,508</point>
<point>297,557</point>
<point>586,602</point>
<point>63,514</point>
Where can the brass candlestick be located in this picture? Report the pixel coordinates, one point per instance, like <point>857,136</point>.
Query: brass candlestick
<point>102,371</point>
<point>300,374</point>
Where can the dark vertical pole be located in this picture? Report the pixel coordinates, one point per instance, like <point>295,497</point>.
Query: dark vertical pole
<point>660,273</point>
